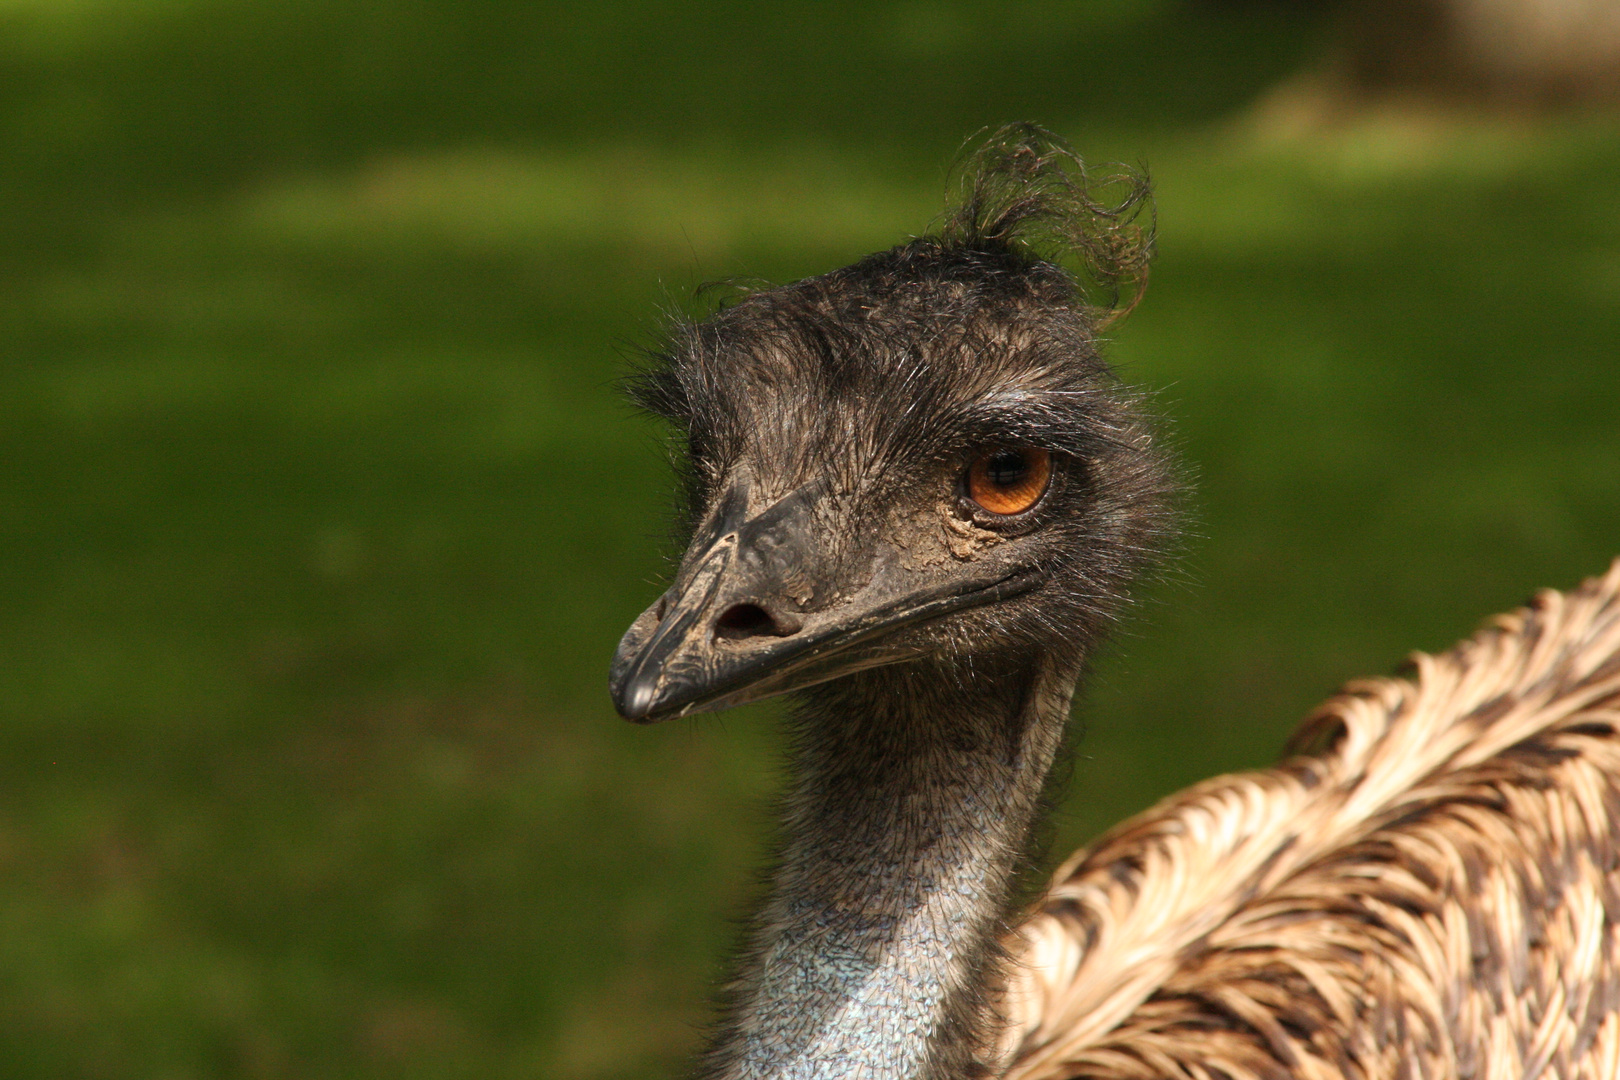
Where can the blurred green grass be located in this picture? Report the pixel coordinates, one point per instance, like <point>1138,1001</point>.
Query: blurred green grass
<point>319,516</point>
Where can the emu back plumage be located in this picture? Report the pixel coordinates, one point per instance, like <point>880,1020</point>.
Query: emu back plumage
<point>1433,892</point>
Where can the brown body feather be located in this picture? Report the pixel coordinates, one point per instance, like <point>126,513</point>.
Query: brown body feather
<point>1434,894</point>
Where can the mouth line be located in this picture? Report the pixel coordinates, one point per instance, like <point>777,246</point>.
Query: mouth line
<point>793,655</point>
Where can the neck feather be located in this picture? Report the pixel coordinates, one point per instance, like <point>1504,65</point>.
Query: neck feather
<point>915,794</point>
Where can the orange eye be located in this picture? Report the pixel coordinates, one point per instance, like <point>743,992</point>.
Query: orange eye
<point>1009,481</point>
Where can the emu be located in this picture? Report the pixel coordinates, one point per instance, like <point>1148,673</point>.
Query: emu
<point>916,497</point>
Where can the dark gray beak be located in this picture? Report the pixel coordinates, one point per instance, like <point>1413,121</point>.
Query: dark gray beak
<point>768,602</point>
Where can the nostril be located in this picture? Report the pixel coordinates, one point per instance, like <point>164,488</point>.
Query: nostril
<point>749,620</point>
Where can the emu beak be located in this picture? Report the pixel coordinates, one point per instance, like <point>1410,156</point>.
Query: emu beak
<point>759,607</point>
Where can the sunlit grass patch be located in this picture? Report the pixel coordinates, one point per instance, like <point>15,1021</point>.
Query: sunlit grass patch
<point>697,207</point>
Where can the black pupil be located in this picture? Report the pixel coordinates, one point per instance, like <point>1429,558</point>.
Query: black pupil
<point>1006,469</point>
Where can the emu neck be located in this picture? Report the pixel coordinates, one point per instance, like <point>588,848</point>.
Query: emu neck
<point>909,817</point>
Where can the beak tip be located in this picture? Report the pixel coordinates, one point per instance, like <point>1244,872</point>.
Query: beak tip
<point>635,699</point>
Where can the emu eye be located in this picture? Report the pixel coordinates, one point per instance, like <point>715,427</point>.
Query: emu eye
<point>1009,482</point>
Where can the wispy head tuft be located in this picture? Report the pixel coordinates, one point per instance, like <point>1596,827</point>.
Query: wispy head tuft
<point>1026,190</point>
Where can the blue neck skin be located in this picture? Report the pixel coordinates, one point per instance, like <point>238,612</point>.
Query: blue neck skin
<point>909,816</point>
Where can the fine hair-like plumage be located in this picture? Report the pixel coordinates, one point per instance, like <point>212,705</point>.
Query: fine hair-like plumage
<point>915,500</point>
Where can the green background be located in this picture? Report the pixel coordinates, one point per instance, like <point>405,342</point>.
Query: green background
<point>320,516</point>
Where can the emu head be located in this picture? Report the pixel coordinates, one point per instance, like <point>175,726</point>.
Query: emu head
<point>921,457</point>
